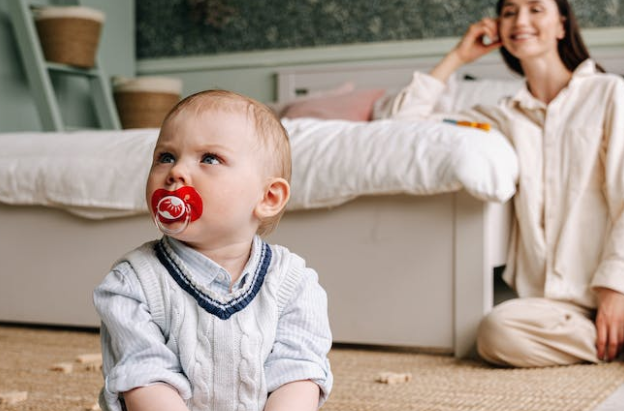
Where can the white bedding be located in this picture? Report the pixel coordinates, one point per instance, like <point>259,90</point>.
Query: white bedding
<point>336,161</point>
<point>101,174</point>
<point>94,174</point>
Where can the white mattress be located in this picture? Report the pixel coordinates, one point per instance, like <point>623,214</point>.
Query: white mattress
<point>101,174</point>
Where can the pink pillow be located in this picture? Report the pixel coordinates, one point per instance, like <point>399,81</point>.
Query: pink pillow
<point>354,106</point>
<point>280,108</point>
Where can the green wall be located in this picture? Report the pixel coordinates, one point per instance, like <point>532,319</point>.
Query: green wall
<point>116,52</point>
<point>259,39</point>
<point>254,72</point>
<point>171,28</point>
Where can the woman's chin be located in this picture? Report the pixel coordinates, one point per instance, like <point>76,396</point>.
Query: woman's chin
<point>526,51</point>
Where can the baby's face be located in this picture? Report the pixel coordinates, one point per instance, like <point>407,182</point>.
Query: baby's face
<point>218,154</point>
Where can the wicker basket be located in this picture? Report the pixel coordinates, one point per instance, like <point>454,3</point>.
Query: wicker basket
<point>145,101</point>
<point>69,35</point>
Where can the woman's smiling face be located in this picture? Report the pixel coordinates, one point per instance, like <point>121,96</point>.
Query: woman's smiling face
<point>530,28</point>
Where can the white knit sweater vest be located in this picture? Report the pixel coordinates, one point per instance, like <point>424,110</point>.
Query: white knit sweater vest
<point>222,358</point>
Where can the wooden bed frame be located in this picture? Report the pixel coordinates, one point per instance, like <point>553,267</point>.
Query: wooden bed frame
<point>404,270</point>
<point>399,270</point>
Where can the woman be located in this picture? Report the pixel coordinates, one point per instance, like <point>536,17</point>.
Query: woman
<point>566,258</point>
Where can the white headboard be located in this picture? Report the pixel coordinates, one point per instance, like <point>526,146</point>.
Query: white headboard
<point>301,80</point>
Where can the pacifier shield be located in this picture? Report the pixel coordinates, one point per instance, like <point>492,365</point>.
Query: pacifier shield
<point>172,206</point>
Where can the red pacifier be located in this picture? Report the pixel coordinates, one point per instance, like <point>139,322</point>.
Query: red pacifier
<point>174,210</point>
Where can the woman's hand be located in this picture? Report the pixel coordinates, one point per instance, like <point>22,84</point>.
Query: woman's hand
<point>609,323</point>
<point>474,45</point>
<point>470,47</point>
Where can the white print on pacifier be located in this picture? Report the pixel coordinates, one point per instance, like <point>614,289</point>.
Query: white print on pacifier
<point>171,208</point>
<point>172,215</point>
<point>174,210</point>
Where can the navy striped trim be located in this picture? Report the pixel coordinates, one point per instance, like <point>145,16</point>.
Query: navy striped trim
<point>214,307</point>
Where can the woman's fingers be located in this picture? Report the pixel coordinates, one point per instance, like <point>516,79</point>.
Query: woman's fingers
<point>490,27</point>
<point>609,324</point>
<point>614,343</point>
<point>470,47</point>
<point>601,336</point>
<point>485,27</point>
<point>608,341</point>
<point>480,38</point>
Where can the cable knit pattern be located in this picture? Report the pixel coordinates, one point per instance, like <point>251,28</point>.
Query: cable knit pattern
<point>225,358</point>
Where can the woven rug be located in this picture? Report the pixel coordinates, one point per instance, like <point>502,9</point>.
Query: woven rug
<point>439,383</point>
<point>442,383</point>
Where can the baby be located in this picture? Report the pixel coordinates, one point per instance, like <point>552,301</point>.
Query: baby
<point>210,317</point>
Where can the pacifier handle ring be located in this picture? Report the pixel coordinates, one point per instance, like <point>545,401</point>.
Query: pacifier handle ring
<point>170,231</point>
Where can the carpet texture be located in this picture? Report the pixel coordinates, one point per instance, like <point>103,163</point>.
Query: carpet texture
<point>439,383</point>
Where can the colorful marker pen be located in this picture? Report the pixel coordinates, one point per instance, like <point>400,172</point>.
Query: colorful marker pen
<point>482,126</point>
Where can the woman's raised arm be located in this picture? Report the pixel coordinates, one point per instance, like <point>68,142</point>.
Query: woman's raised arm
<point>480,39</point>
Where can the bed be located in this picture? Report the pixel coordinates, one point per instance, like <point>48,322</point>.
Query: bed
<point>405,246</point>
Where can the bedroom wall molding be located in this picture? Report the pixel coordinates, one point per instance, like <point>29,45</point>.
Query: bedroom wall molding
<point>255,73</point>
<point>596,38</point>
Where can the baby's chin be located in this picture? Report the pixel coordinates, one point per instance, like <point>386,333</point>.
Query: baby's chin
<point>175,229</point>
<point>197,237</point>
<point>193,234</point>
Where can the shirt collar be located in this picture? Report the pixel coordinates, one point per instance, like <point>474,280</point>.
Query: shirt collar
<point>207,271</point>
<point>526,100</point>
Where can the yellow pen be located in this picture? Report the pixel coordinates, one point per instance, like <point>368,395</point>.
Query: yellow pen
<point>482,126</point>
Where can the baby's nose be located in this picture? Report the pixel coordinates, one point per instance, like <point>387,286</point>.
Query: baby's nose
<point>178,174</point>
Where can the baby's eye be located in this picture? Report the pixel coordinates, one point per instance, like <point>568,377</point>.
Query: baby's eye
<point>166,158</point>
<point>210,159</point>
<point>508,13</point>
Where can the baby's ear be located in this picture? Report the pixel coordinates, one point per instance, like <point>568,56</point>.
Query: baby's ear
<point>275,197</point>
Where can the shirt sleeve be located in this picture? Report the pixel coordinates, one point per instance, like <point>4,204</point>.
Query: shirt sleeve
<point>610,272</point>
<point>133,346</point>
<point>418,99</point>
<point>303,338</point>
<point>423,99</point>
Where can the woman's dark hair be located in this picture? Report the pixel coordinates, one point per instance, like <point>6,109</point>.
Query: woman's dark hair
<point>571,48</point>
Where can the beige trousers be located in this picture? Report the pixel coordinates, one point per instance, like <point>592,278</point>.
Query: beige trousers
<point>537,332</point>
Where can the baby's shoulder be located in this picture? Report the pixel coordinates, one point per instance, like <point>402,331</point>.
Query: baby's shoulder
<point>289,269</point>
<point>138,266</point>
<point>283,259</point>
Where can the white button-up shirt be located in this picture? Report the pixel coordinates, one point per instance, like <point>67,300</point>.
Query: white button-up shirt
<point>568,234</point>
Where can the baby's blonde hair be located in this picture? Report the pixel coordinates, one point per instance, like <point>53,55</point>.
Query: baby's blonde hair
<point>271,134</point>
